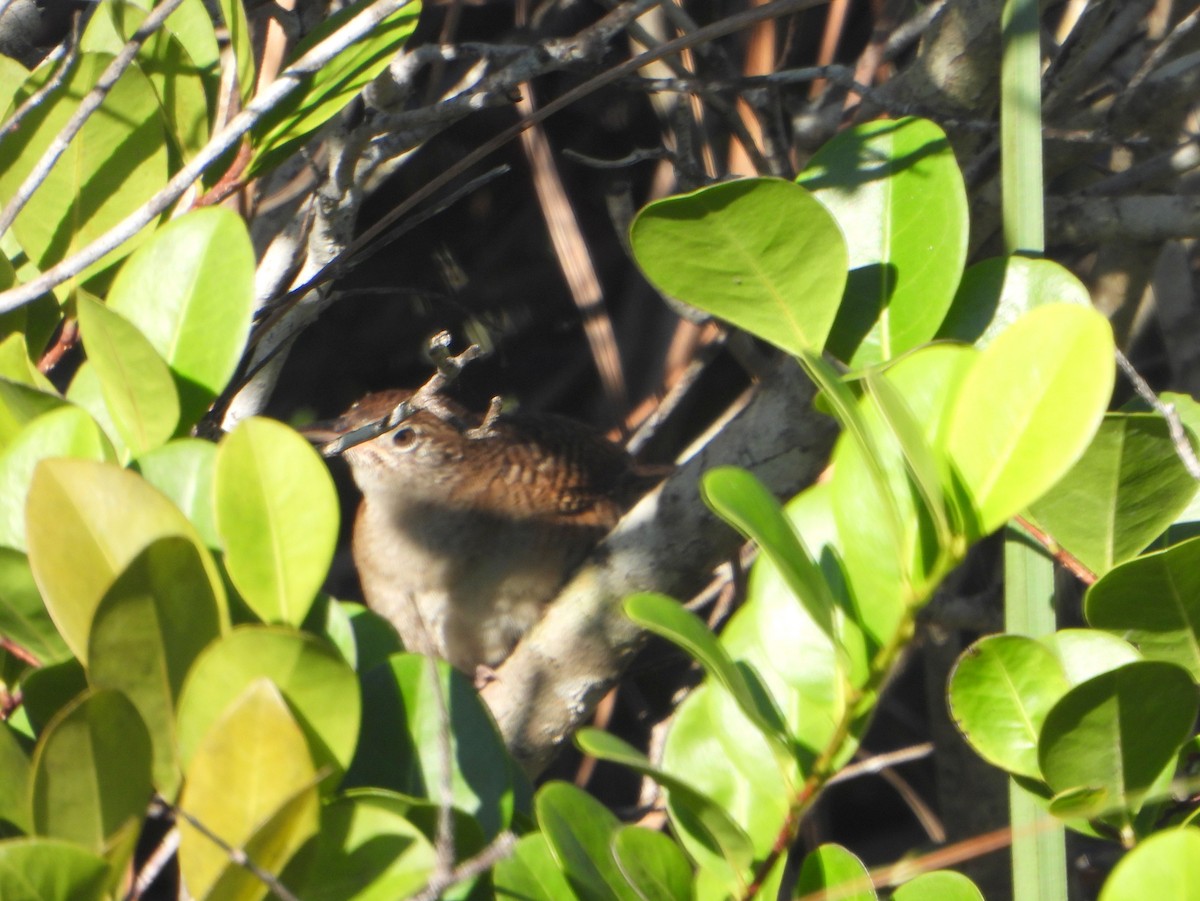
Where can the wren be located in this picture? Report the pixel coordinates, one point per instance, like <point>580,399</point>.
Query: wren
<point>468,527</point>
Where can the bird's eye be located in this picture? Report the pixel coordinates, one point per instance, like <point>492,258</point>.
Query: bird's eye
<point>404,438</point>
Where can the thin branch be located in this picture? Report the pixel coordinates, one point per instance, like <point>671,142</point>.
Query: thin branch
<point>1183,447</point>
<point>10,647</point>
<point>67,51</point>
<point>238,856</point>
<point>88,105</point>
<point>357,28</point>
<point>154,864</point>
<point>427,397</point>
<point>499,848</point>
<point>724,27</point>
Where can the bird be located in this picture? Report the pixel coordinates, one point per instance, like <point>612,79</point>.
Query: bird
<point>469,525</point>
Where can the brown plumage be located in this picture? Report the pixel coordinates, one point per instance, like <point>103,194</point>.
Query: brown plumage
<point>468,527</point>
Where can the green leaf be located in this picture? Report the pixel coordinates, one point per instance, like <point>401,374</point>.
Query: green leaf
<point>1153,602</point>
<point>178,82</point>
<point>834,870</point>
<point>46,869</point>
<point>20,405</point>
<point>1086,653</point>
<point>717,752</point>
<point>316,682</point>
<point>1124,491</point>
<point>63,432</point>
<point>803,669</point>
<point>367,850</point>
<point>183,470</point>
<point>241,45</point>
<point>580,831</point>
<point>134,380</point>
<point>49,689</point>
<point>653,864</point>
<point>252,783</point>
<point>761,253</point>
<point>23,617</point>
<point>399,747</point>
<point>86,393</point>
<point>531,873</point>
<point>1164,866</point>
<point>1115,733</point>
<point>895,189</point>
<point>113,166</point>
<point>706,821</point>
<point>995,293</point>
<point>190,291</point>
<point>277,514</point>
<point>91,770</point>
<point>745,503</point>
<point>668,618</point>
<point>940,885</point>
<point>326,93</point>
<point>85,521</point>
<point>1028,408</point>
<point>14,787</point>
<point>895,546</point>
<point>1001,689</point>
<point>149,628</point>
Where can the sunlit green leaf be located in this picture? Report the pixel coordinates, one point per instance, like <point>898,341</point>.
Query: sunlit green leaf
<point>315,681</point>
<point>706,821</point>
<point>834,870</point>
<point>325,94</point>
<point>183,470</point>
<point>1029,407</point>
<point>134,379</point>
<point>1086,653</point>
<point>895,189</point>
<point>21,404</point>
<point>759,252</point>
<point>24,619</point>
<point>190,291</point>
<point>277,514</point>
<point>252,783</point>
<point>85,521</point>
<point>666,617</point>
<point>1166,865</point>
<point>940,885</point>
<point>1000,692</point>
<point>112,167</point>
<point>63,432</point>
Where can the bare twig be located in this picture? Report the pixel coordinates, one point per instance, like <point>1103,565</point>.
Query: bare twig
<point>726,26</point>
<point>67,51</point>
<point>154,864</point>
<point>499,848</point>
<point>238,856</point>
<point>1183,447</point>
<point>427,397</point>
<point>88,105</point>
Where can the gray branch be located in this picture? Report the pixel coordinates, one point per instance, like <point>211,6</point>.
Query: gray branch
<point>669,542</point>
